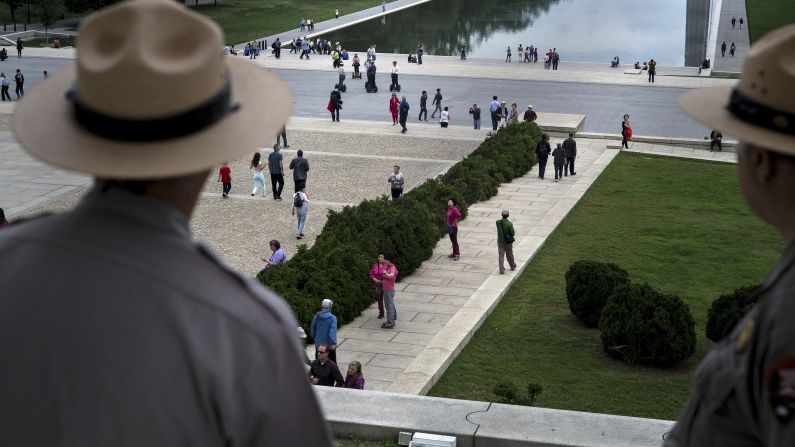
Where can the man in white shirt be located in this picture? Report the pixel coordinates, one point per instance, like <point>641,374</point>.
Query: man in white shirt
<point>394,73</point>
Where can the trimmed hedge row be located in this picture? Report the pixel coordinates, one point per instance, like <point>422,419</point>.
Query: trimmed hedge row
<point>337,265</point>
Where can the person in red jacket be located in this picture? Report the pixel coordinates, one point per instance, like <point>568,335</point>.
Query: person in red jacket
<point>225,177</point>
<point>394,107</point>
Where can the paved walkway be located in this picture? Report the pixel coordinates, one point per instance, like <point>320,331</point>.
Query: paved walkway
<point>346,19</point>
<point>740,38</point>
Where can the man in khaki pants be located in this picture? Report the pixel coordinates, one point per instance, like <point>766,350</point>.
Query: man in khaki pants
<point>505,237</point>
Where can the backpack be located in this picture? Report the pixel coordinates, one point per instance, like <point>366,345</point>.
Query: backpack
<point>298,202</point>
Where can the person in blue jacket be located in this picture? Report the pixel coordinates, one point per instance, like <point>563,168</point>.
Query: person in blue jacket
<point>324,329</point>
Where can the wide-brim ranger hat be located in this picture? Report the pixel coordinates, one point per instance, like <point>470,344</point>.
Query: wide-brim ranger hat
<point>760,109</point>
<point>150,96</point>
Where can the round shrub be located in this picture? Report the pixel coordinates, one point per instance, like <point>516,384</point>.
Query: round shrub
<point>588,284</point>
<point>641,325</point>
<point>726,311</point>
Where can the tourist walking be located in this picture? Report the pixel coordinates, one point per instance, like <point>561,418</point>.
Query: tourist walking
<point>276,170</point>
<point>555,58</point>
<point>394,106</point>
<point>558,161</point>
<point>744,385</point>
<point>475,112</point>
<point>437,101</point>
<point>732,49</point>
<point>302,24</point>
<point>283,134</point>
<point>305,49</point>
<point>354,379</point>
<point>341,75</point>
<point>420,52</point>
<point>570,150</point>
<point>444,118</point>
<point>508,54</point>
<point>423,106</point>
<point>278,256</point>
<point>542,154</point>
<point>300,210</point>
<point>5,84</point>
<point>723,49</point>
<point>653,69</point>
<point>741,22</point>
<point>396,181</point>
<point>530,116</point>
<point>148,339</point>
<point>715,138</point>
<point>324,329</point>
<point>20,46</point>
<point>388,284</point>
<point>734,22</point>
<point>300,167</point>
<point>513,115</point>
<point>626,132</point>
<point>335,103</point>
<point>257,176</point>
<point>225,177</point>
<point>494,108</point>
<point>505,238</point>
<point>277,48</point>
<point>336,13</point>
<point>324,371</point>
<point>404,114</point>
<point>19,79</point>
<point>453,215</point>
<point>463,53</point>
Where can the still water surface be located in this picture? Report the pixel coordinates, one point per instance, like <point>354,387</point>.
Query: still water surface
<point>581,30</point>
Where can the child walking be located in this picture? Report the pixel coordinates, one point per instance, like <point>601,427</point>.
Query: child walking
<point>225,177</point>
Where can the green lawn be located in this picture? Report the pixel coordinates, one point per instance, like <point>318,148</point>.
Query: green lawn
<point>767,15</point>
<point>244,20</point>
<point>678,224</point>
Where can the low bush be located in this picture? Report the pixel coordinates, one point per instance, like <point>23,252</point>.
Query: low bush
<point>588,284</point>
<point>507,393</point>
<point>726,311</point>
<point>337,265</point>
<point>641,325</point>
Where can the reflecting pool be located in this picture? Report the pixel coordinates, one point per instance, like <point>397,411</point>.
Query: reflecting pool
<point>673,32</point>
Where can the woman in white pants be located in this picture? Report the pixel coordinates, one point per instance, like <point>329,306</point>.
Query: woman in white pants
<point>256,173</point>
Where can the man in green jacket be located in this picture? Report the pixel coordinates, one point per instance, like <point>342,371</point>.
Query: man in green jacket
<point>505,237</point>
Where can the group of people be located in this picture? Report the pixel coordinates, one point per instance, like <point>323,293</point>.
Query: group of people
<point>530,54</point>
<point>19,82</point>
<point>308,24</point>
<point>563,157</point>
<point>323,370</point>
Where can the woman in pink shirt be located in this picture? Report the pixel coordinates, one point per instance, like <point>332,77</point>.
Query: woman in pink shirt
<point>377,275</point>
<point>388,285</point>
<point>452,227</point>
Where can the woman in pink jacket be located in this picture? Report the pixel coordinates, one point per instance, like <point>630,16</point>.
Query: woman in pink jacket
<point>394,107</point>
<point>377,276</point>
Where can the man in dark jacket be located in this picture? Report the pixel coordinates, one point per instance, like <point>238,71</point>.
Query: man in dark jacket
<point>530,116</point>
<point>542,152</point>
<point>558,159</point>
<point>404,114</point>
<point>423,106</point>
<point>570,151</point>
<point>371,74</point>
<point>324,372</point>
<point>335,103</point>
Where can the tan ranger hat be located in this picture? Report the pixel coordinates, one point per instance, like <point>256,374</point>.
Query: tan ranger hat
<point>150,96</point>
<point>761,108</point>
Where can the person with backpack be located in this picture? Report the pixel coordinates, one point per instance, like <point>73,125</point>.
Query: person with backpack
<point>300,209</point>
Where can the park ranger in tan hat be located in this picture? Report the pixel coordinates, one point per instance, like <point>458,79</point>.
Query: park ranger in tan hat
<point>744,390</point>
<point>116,328</point>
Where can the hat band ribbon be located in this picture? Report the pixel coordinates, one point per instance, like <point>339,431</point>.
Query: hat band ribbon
<point>760,115</point>
<point>185,123</point>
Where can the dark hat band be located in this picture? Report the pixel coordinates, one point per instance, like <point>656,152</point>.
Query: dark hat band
<point>185,123</point>
<point>750,111</point>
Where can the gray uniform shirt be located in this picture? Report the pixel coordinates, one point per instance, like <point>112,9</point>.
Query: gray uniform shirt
<point>744,390</point>
<point>117,330</point>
